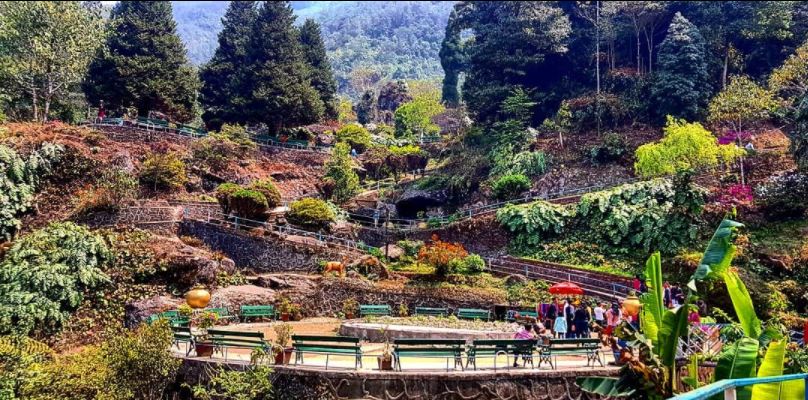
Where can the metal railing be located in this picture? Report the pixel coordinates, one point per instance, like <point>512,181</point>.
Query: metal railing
<point>239,223</point>
<point>729,387</point>
<point>595,285</point>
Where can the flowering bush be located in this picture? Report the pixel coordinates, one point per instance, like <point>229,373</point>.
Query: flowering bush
<point>441,255</point>
<point>783,196</point>
<point>734,136</point>
<point>735,195</point>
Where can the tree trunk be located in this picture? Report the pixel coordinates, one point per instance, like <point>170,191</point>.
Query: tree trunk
<point>726,67</point>
<point>639,70</point>
<point>34,102</point>
<point>47,97</point>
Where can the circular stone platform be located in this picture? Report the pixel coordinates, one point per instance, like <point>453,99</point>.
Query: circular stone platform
<point>375,332</point>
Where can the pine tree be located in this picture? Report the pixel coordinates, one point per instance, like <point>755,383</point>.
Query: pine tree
<point>143,63</point>
<point>225,93</point>
<point>282,94</point>
<point>322,77</point>
<point>681,87</point>
<point>452,59</point>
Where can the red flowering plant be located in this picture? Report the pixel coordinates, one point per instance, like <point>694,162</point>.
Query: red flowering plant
<point>735,137</point>
<point>441,255</point>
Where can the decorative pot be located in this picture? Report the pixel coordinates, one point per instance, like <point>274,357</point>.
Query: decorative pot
<point>285,317</point>
<point>385,365</point>
<point>283,357</point>
<point>632,305</point>
<point>198,297</point>
<point>204,349</point>
<point>349,316</point>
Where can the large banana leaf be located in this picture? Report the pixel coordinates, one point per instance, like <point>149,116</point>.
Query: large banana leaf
<point>719,253</point>
<point>609,387</point>
<point>737,361</point>
<point>653,307</point>
<point>742,303</point>
<point>772,366</point>
<point>674,326</point>
<point>793,390</point>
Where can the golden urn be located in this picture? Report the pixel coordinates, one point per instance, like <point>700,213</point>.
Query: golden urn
<point>198,297</point>
<point>632,304</point>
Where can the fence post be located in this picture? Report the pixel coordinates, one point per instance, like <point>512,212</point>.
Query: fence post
<point>527,274</point>
<point>236,223</point>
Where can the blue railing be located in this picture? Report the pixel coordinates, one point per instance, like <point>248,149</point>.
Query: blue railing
<point>729,386</point>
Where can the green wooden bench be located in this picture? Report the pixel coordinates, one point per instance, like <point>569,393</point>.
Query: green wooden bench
<point>374,309</point>
<point>246,311</point>
<point>182,334</point>
<point>225,339</point>
<point>173,316</point>
<point>551,349</point>
<point>432,311</point>
<point>112,121</point>
<point>473,313</point>
<point>429,348</point>
<point>151,123</point>
<point>495,347</point>
<point>191,130</point>
<point>329,346</point>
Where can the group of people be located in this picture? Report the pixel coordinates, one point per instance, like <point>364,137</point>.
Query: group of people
<point>579,319</point>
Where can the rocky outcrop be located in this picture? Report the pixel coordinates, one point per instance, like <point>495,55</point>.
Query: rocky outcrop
<point>137,311</point>
<point>187,265</point>
<point>233,297</point>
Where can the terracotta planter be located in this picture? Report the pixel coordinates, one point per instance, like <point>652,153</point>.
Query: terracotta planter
<point>385,365</point>
<point>349,316</point>
<point>198,297</point>
<point>204,349</point>
<point>283,357</point>
<point>285,317</point>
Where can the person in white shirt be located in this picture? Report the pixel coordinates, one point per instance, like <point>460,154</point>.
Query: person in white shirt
<point>600,311</point>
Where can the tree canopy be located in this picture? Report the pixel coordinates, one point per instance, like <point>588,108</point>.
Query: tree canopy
<point>143,63</point>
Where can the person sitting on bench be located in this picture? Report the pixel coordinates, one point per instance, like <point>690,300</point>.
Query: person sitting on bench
<point>525,333</point>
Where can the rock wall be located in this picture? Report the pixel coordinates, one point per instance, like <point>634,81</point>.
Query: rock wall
<point>298,383</point>
<point>265,253</point>
<point>482,235</point>
<point>323,296</point>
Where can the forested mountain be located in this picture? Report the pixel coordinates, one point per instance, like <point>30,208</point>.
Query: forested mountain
<point>393,39</point>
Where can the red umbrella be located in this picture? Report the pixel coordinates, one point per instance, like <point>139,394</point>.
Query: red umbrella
<point>566,288</point>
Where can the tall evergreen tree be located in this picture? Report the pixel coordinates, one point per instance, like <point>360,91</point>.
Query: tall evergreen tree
<point>282,94</point>
<point>143,63</point>
<point>452,59</point>
<point>225,92</point>
<point>322,77</point>
<point>681,86</point>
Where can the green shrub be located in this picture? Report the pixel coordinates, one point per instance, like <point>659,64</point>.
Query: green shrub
<point>298,133</point>
<point>250,204</point>
<point>268,189</point>
<point>410,247</point>
<point>510,186</point>
<point>374,161</point>
<point>343,179</point>
<point>238,135</point>
<point>164,171</point>
<point>584,112</point>
<point>612,148</point>
<point>18,181</point>
<point>223,194</point>
<point>473,264</point>
<point>784,196</point>
<point>355,136</point>
<point>535,221</point>
<point>113,187</point>
<point>529,163</point>
<point>45,274</point>
<point>311,213</point>
<point>253,383</point>
<point>214,152</point>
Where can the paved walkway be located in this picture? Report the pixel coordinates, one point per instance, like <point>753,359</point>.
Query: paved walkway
<point>370,351</point>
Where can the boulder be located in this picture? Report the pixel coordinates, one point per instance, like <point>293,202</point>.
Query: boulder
<point>295,282</point>
<point>187,265</point>
<point>515,280</point>
<point>392,251</point>
<point>137,311</point>
<point>369,266</point>
<point>233,297</point>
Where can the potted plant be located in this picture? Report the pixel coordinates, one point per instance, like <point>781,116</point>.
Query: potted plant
<point>385,360</point>
<point>295,312</point>
<point>281,349</point>
<point>285,308</point>
<point>349,307</point>
<point>403,310</point>
<point>185,313</point>
<point>204,321</point>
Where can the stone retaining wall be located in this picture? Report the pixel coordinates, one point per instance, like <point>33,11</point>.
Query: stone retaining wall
<point>135,135</point>
<point>482,235</point>
<point>262,254</point>
<point>299,383</point>
<point>327,296</point>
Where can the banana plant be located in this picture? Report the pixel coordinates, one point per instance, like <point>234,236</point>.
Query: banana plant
<point>663,328</point>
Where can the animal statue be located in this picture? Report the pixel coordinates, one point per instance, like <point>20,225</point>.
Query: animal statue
<point>334,266</point>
